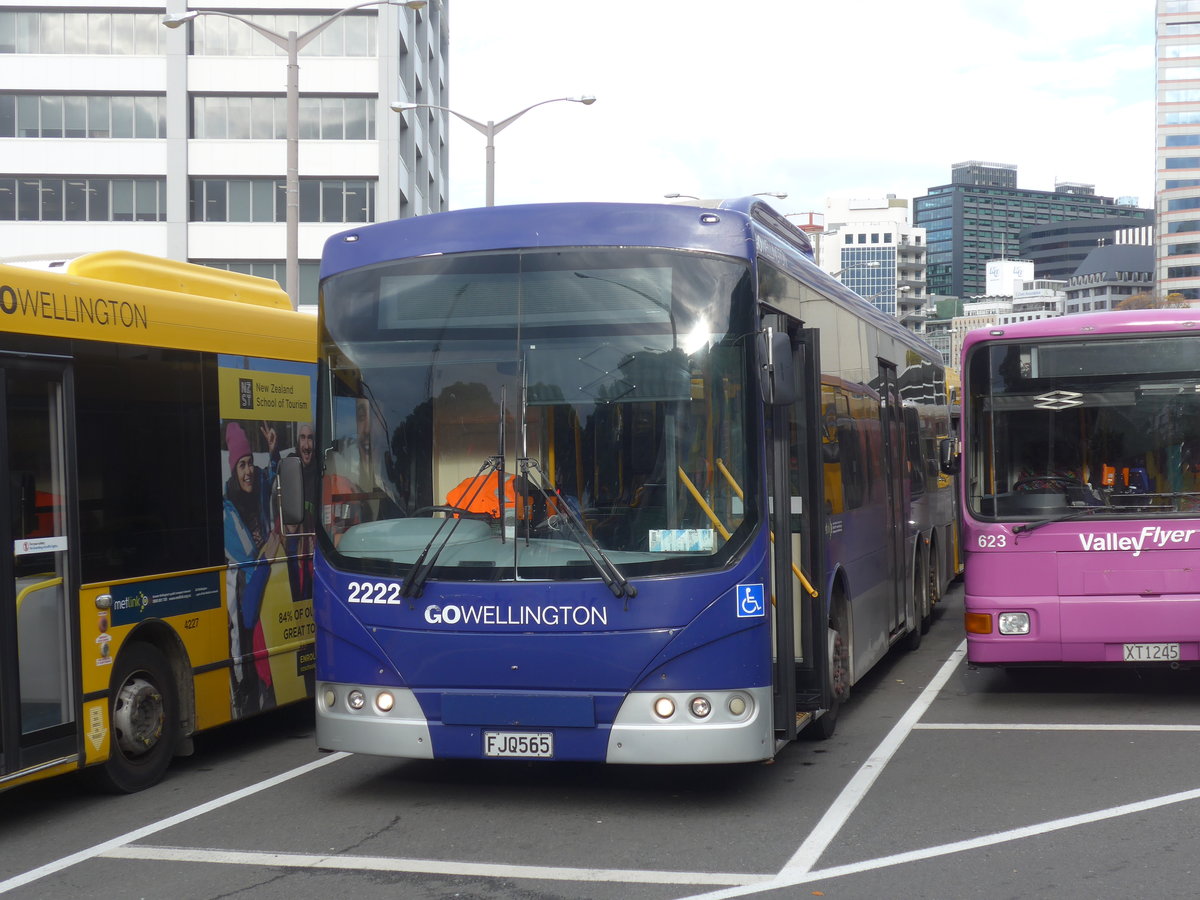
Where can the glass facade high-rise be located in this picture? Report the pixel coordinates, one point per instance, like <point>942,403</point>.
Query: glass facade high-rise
<point>979,217</point>
<point>119,133</point>
<point>1177,180</point>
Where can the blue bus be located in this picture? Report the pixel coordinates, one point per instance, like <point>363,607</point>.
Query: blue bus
<point>611,482</point>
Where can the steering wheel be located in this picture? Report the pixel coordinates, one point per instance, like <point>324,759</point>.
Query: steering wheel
<point>1045,482</point>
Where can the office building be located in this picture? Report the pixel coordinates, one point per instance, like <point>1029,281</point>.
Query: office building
<point>1058,249</point>
<point>980,214</point>
<point>1177,154</point>
<point>1110,275</point>
<point>876,251</point>
<point>120,133</point>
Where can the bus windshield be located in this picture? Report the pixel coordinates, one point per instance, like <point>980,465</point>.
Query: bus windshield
<point>537,414</point>
<point>1084,428</point>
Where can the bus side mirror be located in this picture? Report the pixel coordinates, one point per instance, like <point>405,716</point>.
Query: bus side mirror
<point>776,371</point>
<point>291,491</point>
<point>948,455</point>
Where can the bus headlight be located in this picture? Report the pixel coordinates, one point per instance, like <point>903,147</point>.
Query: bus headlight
<point>701,707</point>
<point>385,701</point>
<point>1013,623</point>
<point>356,699</point>
<point>664,707</point>
<point>330,697</point>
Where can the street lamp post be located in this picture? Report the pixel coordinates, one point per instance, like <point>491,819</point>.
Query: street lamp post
<point>292,43</point>
<point>489,130</point>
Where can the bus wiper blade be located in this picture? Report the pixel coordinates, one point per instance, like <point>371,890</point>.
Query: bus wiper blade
<point>609,573</point>
<point>414,582</point>
<point>1066,517</point>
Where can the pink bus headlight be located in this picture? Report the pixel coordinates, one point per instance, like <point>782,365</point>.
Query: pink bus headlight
<point>1013,623</point>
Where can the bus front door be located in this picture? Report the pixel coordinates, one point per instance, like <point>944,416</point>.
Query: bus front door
<point>38,708</point>
<point>796,502</point>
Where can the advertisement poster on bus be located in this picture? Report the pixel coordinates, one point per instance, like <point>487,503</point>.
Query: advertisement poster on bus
<point>266,414</point>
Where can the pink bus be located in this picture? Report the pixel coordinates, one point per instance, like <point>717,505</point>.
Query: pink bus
<point>1080,480</point>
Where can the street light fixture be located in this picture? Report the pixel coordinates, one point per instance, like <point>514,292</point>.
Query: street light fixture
<point>292,43</point>
<point>869,264</point>
<point>489,130</point>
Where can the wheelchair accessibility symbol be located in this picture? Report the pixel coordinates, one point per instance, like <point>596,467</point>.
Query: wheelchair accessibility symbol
<point>751,601</point>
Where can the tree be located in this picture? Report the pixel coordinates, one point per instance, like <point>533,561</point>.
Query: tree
<point>1153,300</point>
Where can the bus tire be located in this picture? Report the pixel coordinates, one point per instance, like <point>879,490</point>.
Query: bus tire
<point>933,594</point>
<point>143,721</point>
<point>823,727</point>
<point>912,639</point>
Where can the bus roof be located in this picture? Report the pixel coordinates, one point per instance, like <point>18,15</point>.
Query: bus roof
<point>1090,325</point>
<point>727,227</point>
<point>130,298</point>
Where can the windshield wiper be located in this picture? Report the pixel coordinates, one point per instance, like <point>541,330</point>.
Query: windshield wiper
<point>609,573</point>
<point>1066,517</point>
<point>414,582</point>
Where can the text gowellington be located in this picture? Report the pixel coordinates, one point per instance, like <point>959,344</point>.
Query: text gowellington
<point>51,305</point>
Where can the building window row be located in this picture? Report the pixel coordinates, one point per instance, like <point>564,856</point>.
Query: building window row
<point>1179,51</point>
<point>33,199</point>
<point>265,200</point>
<point>1183,203</point>
<point>99,33</point>
<point>1181,6</point>
<point>83,116</point>
<point>1182,162</point>
<point>276,270</point>
<point>1183,140</point>
<point>1170,28</point>
<point>1181,183</point>
<point>348,35</point>
<point>874,238</point>
<point>1180,73</point>
<point>1183,272</point>
<point>1183,226</point>
<point>1181,118</point>
<point>265,118</point>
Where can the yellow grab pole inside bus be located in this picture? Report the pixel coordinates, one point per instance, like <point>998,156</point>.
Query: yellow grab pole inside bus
<point>737,489</point>
<point>712,516</point>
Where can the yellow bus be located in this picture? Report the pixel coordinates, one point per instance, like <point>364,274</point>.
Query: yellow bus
<point>151,591</point>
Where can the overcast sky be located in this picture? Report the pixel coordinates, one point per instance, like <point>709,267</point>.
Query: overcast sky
<point>850,98</point>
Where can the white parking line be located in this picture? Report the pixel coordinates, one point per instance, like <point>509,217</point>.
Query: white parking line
<point>784,880</point>
<point>1035,726</point>
<point>162,824</point>
<point>430,866</point>
<point>852,794</point>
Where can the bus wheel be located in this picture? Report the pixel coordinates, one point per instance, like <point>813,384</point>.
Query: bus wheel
<point>144,721</point>
<point>912,640</point>
<point>933,595</point>
<point>823,727</point>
